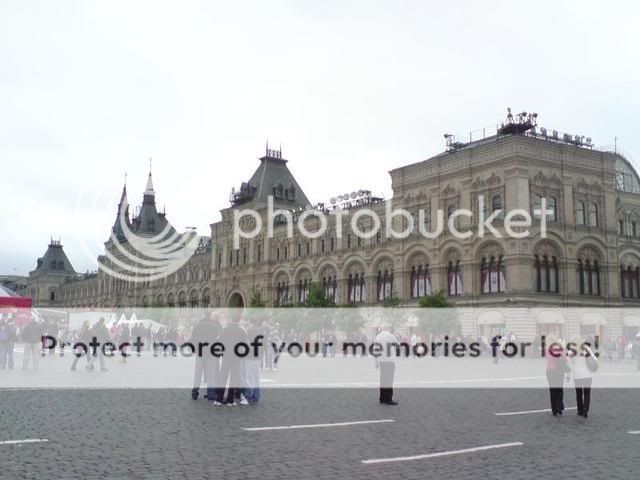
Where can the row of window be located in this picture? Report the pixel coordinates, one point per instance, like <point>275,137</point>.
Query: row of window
<point>493,279</point>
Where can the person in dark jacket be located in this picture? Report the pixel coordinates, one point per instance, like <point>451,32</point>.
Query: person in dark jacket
<point>231,366</point>
<point>101,334</point>
<point>82,345</point>
<point>32,339</point>
<point>205,333</point>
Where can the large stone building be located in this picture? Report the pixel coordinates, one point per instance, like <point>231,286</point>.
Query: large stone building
<point>590,256</point>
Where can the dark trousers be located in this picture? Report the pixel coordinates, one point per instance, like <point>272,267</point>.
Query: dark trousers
<point>230,370</point>
<point>387,371</point>
<point>583,394</point>
<point>555,378</point>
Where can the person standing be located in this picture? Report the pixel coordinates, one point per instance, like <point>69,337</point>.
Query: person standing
<point>556,367</point>
<point>386,363</point>
<point>81,346</point>
<point>635,350</point>
<point>8,338</point>
<point>205,333</point>
<point>582,377</point>
<point>101,334</point>
<point>231,366</point>
<point>32,339</point>
<point>252,362</point>
<point>125,341</point>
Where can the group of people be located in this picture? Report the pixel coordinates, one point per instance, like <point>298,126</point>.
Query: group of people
<point>231,379</point>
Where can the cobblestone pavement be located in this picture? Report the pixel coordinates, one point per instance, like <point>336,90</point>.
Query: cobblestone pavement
<point>164,434</point>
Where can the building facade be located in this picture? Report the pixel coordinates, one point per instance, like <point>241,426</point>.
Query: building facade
<point>590,255</point>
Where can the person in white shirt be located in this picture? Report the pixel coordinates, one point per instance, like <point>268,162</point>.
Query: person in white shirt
<point>386,362</point>
<point>582,376</point>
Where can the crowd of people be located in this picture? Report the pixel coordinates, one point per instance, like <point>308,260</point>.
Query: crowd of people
<point>231,380</point>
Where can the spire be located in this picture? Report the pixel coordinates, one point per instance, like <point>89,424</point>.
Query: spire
<point>149,189</point>
<point>123,207</point>
<point>123,197</point>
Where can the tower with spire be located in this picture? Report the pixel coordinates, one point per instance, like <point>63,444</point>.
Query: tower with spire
<point>146,221</point>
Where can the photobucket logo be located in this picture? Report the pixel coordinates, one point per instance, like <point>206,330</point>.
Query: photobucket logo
<point>398,223</point>
<point>137,258</point>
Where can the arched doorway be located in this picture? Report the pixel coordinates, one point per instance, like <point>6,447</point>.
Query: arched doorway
<point>236,301</point>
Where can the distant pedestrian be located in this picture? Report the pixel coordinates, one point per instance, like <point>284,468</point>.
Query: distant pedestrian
<point>635,350</point>
<point>81,347</point>
<point>32,339</point>
<point>124,338</point>
<point>8,338</point>
<point>101,334</point>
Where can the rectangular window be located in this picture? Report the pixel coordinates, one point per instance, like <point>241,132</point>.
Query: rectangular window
<point>322,242</point>
<point>308,248</point>
<point>621,227</point>
<point>580,213</point>
<point>349,241</point>
<point>551,205</point>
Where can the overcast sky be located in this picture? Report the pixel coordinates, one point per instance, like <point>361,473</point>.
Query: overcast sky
<point>91,90</point>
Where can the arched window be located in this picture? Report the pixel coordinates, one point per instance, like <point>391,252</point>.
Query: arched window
<point>420,281</point>
<point>629,281</point>
<point>580,213</point>
<point>454,279</point>
<point>588,277</point>
<point>593,215</point>
<point>282,292</point>
<point>357,288</point>
<point>329,284</point>
<point>385,285</point>
<point>303,290</point>
<point>492,275</point>
<point>546,271</point>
